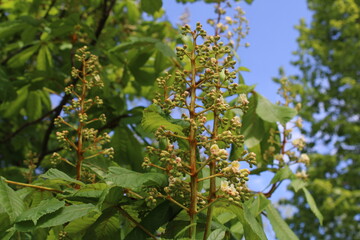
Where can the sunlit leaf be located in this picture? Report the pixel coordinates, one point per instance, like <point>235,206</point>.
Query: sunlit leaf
<point>126,178</point>
<point>217,234</point>
<point>10,201</point>
<point>310,200</point>
<point>273,113</point>
<point>280,227</point>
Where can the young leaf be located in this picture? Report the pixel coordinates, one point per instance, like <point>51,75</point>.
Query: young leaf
<point>53,173</point>
<point>273,113</point>
<point>298,184</point>
<point>45,207</point>
<point>283,173</point>
<point>310,200</point>
<point>217,234</point>
<point>44,59</point>
<point>10,201</point>
<point>152,120</point>
<point>280,227</point>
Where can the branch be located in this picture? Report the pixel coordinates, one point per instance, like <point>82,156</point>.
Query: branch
<point>127,215</point>
<point>107,7</point>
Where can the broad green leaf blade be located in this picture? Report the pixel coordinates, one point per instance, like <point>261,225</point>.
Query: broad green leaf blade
<point>280,227</point>
<point>10,201</point>
<point>105,227</point>
<point>258,204</point>
<point>19,59</point>
<point>128,150</point>
<point>81,225</point>
<point>53,173</point>
<point>253,224</point>
<point>298,184</point>
<point>163,213</point>
<point>33,105</point>
<point>253,125</point>
<point>44,59</point>
<point>152,120</point>
<point>110,197</point>
<point>45,207</point>
<point>217,234</point>
<point>310,200</point>
<point>12,108</point>
<point>151,6</point>
<point>126,178</point>
<point>283,173</point>
<point>273,113</point>
<point>66,214</point>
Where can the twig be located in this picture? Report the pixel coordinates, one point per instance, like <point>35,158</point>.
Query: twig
<point>127,215</point>
<point>33,186</point>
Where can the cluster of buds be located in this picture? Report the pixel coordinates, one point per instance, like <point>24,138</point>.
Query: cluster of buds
<point>77,136</point>
<point>200,93</point>
<point>234,28</point>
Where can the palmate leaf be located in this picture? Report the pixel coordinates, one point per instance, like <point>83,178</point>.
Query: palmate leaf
<point>10,201</point>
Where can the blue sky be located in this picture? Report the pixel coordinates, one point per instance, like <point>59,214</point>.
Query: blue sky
<point>272,40</point>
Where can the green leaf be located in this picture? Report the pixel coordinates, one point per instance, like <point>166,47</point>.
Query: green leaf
<point>81,225</point>
<point>128,150</point>
<point>258,204</point>
<point>44,59</point>
<point>126,178</point>
<point>273,113</point>
<point>252,229</point>
<point>151,6</point>
<point>45,207</point>
<point>152,120</point>
<point>312,204</point>
<point>110,197</point>
<point>283,173</point>
<point>19,59</point>
<point>53,173</point>
<point>298,184</point>
<point>12,108</point>
<point>217,234</point>
<point>10,201</point>
<point>253,125</point>
<point>161,214</point>
<point>280,227</point>
<point>105,227</point>
<point>9,28</point>
<point>253,224</point>
<point>66,214</point>
<point>33,105</point>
